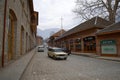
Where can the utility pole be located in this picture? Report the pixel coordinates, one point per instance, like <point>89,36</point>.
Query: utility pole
<point>61,25</point>
<point>61,28</point>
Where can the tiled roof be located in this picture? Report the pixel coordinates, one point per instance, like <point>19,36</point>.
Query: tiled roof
<point>39,37</point>
<point>57,34</point>
<point>111,28</point>
<point>94,22</point>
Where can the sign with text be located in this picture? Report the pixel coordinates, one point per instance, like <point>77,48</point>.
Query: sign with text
<point>108,47</point>
<point>108,42</point>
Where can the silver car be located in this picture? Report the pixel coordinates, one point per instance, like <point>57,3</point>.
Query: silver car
<point>57,53</point>
<point>41,48</point>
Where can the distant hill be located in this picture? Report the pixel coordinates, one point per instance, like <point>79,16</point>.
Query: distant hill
<point>47,32</point>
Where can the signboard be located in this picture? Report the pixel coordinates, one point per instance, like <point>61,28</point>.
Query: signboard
<point>108,42</point>
<point>108,47</point>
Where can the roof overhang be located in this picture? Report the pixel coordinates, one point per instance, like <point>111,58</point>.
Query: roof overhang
<point>110,32</point>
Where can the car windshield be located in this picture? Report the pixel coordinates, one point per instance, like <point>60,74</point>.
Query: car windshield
<point>57,50</point>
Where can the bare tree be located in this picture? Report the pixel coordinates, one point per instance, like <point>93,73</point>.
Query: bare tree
<point>103,8</point>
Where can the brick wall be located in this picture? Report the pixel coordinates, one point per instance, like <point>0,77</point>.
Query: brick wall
<point>114,36</point>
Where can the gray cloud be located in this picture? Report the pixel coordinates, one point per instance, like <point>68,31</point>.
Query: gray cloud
<point>50,12</point>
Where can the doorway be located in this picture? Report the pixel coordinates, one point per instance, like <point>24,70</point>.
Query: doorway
<point>11,35</point>
<point>22,40</point>
<point>90,44</point>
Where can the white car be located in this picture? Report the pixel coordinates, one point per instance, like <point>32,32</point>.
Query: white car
<point>57,53</point>
<point>41,48</point>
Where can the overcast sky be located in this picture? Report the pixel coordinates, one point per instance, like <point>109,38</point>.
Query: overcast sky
<point>51,11</point>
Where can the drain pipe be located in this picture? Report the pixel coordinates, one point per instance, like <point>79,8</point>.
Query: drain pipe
<point>4,25</point>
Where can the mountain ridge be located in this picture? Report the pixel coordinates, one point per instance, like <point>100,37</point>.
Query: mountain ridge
<point>47,32</point>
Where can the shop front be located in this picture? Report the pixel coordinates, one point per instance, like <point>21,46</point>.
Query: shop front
<point>82,38</point>
<point>108,47</point>
<point>89,44</point>
<point>108,41</point>
<point>78,45</point>
<point>71,45</point>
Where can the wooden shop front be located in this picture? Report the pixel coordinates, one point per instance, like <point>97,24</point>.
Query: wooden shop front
<point>108,41</point>
<point>82,38</point>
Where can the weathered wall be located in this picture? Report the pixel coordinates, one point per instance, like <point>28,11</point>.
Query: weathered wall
<point>2,3</point>
<point>21,10</point>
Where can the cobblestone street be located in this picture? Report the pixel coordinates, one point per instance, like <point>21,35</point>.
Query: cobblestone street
<point>74,68</point>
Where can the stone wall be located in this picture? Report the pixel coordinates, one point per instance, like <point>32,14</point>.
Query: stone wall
<point>2,2</point>
<point>21,11</point>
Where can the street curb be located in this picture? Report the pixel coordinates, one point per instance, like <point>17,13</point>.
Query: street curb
<point>85,55</point>
<point>108,59</point>
<point>97,57</point>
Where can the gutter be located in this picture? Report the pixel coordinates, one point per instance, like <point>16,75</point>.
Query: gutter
<point>4,25</point>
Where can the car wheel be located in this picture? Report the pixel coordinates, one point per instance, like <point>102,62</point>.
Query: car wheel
<point>54,57</point>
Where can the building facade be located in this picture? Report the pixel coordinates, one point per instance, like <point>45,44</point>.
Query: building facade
<point>39,40</point>
<point>52,38</point>
<point>108,41</point>
<point>82,38</point>
<point>18,22</point>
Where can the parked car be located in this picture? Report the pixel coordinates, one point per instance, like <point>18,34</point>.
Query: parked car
<point>57,53</point>
<point>41,48</point>
<point>66,50</point>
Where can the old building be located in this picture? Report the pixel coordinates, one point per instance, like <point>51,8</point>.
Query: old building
<point>82,38</point>
<point>52,38</point>
<point>108,40</point>
<point>39,40</point>
<point>18,22</point>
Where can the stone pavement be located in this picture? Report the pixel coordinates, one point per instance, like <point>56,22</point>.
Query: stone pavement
<point>93,55</point>
<point>74,68</point>
<point>15,70</point>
